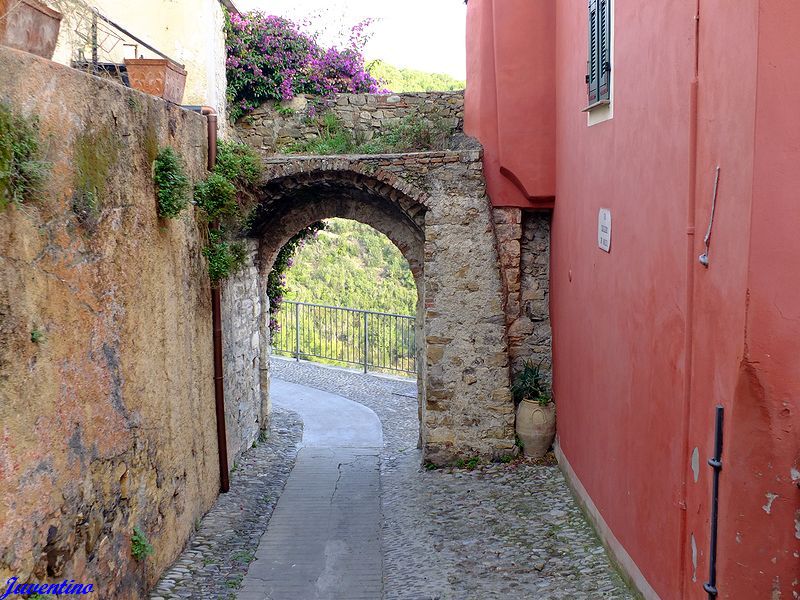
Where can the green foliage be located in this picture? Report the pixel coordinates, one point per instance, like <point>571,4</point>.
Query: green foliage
<point>413,133</point>
<point>469,463</point>
<point>225,198</point>
<point>140,546</point>
<point>332,138</point>
<point>172,183</point>
<point>244,556</point>
<point>224,257</point>
<point>238,163</point>
<point>284,111</point>
<point>235,581</point>
<point>37,336</point>
<point>22,170</point>
<point>529,384</point>
<point>216,196</point>
<point>409,80</point>
<point>350,264</point>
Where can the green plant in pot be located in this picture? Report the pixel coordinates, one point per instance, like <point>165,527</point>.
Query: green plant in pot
<point>536,411</point>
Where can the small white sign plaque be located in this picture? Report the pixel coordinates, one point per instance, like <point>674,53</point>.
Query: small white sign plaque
<point>604,229</point>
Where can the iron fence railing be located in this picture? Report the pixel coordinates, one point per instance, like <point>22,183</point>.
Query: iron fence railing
<point>373,340</point>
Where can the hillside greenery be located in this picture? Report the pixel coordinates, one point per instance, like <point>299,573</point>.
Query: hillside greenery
<point>398,79</point>
<point>352,265</point>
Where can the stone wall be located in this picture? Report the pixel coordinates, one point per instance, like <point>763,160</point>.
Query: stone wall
<point>107,420</point>
<point>273,126</point>
<point>242,314</point>
<point>523,241</point>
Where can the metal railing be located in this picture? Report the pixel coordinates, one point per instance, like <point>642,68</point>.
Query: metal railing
<point>373,340</point>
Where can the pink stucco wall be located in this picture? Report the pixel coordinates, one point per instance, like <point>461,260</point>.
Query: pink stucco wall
<point>646,341</point>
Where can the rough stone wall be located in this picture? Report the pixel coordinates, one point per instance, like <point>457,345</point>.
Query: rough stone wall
<point>272,126</point>
<point>523,242</point>
<point>108,422</point>
<point>466,405</point>
<point>241,347</point>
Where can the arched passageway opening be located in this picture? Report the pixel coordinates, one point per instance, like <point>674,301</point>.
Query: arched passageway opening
<point>442,225</point>
<point>341,293</point>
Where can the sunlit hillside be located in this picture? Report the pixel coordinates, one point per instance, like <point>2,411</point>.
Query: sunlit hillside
<point>352,265</point>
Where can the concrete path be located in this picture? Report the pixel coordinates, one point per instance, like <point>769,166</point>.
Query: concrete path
<point>323,540</point>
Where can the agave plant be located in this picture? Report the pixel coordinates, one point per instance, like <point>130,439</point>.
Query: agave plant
<point>530,384</point>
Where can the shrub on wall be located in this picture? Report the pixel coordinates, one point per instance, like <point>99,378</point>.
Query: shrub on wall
<point>224,257</point>
<point>216,197</point>
<point>270,58</point>
<point>22,170</point>
<point>172,183</point>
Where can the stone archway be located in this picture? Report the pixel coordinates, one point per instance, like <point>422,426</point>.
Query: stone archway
<point>434,208</point>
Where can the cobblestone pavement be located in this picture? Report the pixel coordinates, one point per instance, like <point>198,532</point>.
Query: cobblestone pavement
<point>217,556</point>
<point>498,531</point>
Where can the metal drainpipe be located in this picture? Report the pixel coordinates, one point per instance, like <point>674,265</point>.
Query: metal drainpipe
<point>216,318</point>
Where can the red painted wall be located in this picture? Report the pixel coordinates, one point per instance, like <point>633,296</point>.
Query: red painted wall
<point>647,341</point>
<point>515,126</point>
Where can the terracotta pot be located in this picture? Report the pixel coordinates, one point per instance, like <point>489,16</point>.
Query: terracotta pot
<point>158,77</point>
<point>30,26</point>
<point>536,427</point>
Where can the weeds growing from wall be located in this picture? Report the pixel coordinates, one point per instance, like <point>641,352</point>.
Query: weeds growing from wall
<point>413,133</point>
<point>216,197</point>
<point>140,546</point>
<point>172,183</point>
<point>224,257</point>
<point>22,169</point>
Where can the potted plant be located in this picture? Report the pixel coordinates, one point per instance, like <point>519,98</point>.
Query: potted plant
<point>158,77</point>
<point>536,411</point>
<point>29,25</point>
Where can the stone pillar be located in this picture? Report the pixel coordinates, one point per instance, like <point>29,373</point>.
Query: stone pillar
<point>523,245</point>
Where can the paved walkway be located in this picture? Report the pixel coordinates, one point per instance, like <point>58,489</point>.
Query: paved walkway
<point>499,531</point>
<point>361,521</point>
<point>323,540</point>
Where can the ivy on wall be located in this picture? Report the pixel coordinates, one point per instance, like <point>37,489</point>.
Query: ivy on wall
<point>276,281</point>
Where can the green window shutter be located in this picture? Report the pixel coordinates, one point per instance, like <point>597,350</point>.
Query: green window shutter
<point>592,79</point>
<point>604,50</point>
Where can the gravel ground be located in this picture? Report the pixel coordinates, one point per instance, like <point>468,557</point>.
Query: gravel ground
<point>217,556</point>
<point>498,531</point>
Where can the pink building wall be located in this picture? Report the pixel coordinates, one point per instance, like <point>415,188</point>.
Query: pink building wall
<point>646,341</point>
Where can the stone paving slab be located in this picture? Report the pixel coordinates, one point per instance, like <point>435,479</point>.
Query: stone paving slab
<point>323,540</point>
